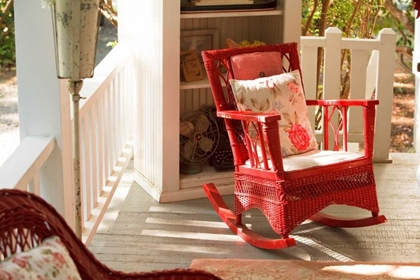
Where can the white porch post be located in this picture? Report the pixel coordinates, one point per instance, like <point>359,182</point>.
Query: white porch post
<point>44,105</point>
<point>153,28</point>
<point>384,92</point>
<point>416,72</point>
<point>292,20</point>
<point>331,86</point>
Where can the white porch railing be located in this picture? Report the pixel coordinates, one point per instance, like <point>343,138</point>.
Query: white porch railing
<point>372,74</point>
<point>22,169</point>
<point>106,124</point>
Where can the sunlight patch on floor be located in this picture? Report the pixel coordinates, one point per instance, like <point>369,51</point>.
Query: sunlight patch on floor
<point>168,209</point>
<point>322,248</point>
<point>189,249</point>
<point>194,223</point>
<point>192,235</point>
<point>397,271</point>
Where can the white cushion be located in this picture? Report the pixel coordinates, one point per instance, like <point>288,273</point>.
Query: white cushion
<point>314,158</point>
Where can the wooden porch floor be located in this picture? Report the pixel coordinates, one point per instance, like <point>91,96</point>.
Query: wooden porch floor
<point>139,234</point>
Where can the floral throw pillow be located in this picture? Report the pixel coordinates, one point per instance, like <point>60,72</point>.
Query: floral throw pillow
<point>281,94</point>
<point>49,260</point>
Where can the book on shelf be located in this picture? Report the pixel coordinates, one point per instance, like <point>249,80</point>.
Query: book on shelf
<point>196,6</point>
<point>220,2</point>
<point>190,66</point>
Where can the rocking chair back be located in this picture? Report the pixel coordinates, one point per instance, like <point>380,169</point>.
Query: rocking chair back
<point>220,71</point>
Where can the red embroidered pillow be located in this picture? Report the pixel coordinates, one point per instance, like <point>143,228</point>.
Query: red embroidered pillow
<point>281,94</point>
<point>250,66</point>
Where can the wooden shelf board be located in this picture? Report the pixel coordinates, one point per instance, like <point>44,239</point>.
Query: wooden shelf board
<point>244,13</point>
<point>204,83</point>
<point>208,175</point>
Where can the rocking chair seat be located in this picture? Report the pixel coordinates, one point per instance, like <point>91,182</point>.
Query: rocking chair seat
<point>315,158</point>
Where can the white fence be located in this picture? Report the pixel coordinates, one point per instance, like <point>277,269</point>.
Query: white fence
<point>372,74</point>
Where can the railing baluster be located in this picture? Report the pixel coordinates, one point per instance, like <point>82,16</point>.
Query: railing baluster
<point>107,133</point>
<point>94,152</point>
<point>35,185</point>
<point>101,118</point>
<point>117,114</point>
<point>112,125</point>
<point>88,164</point>
<point>83,189</point>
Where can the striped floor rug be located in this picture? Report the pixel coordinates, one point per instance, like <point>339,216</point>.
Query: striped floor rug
<point>241,269</point>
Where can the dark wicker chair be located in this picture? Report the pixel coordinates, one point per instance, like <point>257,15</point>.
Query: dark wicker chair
<point>288,196</point>
<point>26,220</point>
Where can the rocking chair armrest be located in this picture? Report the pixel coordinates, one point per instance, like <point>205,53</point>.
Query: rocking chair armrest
<point>249,116</point>
<point>266,126</point>
<point>343,102</point>
<point>341,106</point>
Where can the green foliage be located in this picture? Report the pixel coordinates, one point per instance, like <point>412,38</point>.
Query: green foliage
<point>353,18</point>
<point>386,20</point>
<point>360,18</point>
<point>7,37</point>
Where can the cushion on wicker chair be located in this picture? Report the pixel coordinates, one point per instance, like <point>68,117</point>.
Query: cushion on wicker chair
<point>250,66</point>
<point>49,260</point>
<point>281,94</point>
<point>314,158</point>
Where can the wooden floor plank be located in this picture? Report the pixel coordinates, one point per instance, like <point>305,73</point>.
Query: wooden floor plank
<point>139,234</point>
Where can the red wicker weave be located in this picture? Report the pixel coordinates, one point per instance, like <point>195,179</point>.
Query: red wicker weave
<point>26,220</point>
<point>287,198</point>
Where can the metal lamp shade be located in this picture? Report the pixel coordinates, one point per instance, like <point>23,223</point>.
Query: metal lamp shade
<point>76,24</point>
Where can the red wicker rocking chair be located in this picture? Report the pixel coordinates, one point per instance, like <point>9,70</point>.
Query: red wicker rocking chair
<point>288,189</point>
<point>26,220</point>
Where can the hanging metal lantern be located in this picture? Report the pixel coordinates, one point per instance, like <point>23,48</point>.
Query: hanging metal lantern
<point>76,24</point>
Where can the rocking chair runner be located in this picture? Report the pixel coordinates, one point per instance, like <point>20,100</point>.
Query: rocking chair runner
<point>26,220</point>
<point>286,184</point>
